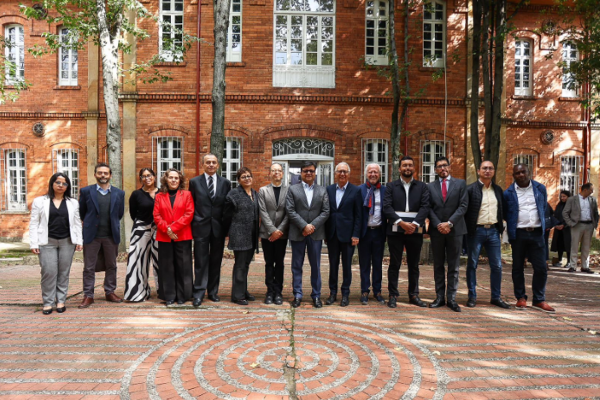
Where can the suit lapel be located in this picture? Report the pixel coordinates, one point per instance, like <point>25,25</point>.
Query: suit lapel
<point>94,197</point>
<point>47,208</point>
<point>113,199</point>
<point>451,187</point>
<point>437,188</point>
<point>282,196</point>
<point>303,195</point>
<point>271,196</point>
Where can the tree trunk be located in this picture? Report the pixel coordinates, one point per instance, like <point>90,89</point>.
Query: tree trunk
<point>221,21</point>
<point>501,30</point>
<point>395,131</point>
<point>403,115</point>
<point>487,83</point>
<point>475,83</point>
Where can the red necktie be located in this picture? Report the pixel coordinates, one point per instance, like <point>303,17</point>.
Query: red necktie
<point>444,189</point>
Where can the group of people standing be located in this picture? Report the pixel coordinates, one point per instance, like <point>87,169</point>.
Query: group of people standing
<point>167,220</point>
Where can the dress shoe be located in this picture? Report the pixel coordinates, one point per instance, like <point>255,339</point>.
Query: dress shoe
<point>571,269</point>
<point>587,270</point>
<point>180,302</point>
<point>296,302</point>
<point>567,265</point>
<point>47,312</point>
<point>86,302</point>
<point>331,299</point>
<point>364,299</point>
<point>242,302</point>
<point>197,302</point>
<point>317,303</point>
<point>278,299</point>
<point>557,265</point>
<point>415,300</point>
<point>392,302</point>
<point>61,310</point>
<point>543,306</point>
<point>214,297</point>
<point>438,302</point>
<point>472,303</point>
<point>249,297</point>
<point>269,299</point>
<point>453,305</point>
<point>113,298</point>
<point>379,298</point>
<point>344,302</point>
<point>499,303</point>
<point>521,304</point>
<point>169,303</point>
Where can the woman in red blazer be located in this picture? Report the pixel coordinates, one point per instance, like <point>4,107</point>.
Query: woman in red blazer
<point>173,213</point>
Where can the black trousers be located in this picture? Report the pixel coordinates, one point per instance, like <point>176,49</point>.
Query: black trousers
<point>175,270</point>
<point>208,255</point>
<point>413,244</point>
<point>446,249</point>
<point>335,249</point>
<point>274,253</point>
<point>239,282</point>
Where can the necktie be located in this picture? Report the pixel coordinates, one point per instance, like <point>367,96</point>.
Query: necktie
<point>211,187</point>
<point>444,189</point>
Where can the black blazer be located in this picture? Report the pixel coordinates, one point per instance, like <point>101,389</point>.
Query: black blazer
<point>395,200</point>
<point>208,212</point>
<point>89,212</point>
<point>345,221</point>
<point>453,209</point>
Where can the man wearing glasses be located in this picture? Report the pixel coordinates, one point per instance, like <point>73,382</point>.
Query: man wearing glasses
<point>448,205</point>
<point>307,205</point>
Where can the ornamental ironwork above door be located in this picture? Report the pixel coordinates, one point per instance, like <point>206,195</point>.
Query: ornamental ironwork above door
<point>303,146</point>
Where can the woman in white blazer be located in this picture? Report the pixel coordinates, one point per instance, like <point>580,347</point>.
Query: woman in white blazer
<point>54,235</point>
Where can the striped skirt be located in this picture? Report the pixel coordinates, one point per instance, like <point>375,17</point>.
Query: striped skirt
<point>143,256</point>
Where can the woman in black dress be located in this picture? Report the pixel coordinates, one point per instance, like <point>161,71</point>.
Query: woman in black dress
<point>143,248</point>
<point>561,241</point>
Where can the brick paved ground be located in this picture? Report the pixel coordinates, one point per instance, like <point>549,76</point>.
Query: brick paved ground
<point>224,351</point>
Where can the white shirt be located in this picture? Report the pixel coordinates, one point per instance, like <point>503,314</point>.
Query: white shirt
<point>488,212</point>
<point>407,208</point>
<point>586,212</point>
<point>447,184</point>
<point>206,176</point>
<point>375,219</point>
<point>339,193</point>
<point>528,213</point>
<point>308,191</point>
<point>103,192</point>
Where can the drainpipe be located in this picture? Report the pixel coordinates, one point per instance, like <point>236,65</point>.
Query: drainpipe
<point>586,138</point>
<point>197,150</point>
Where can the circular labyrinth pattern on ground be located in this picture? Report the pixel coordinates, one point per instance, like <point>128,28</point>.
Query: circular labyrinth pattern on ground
<point>331,358</point>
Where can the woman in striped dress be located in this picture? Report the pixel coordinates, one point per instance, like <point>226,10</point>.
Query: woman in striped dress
<point>143,248</point>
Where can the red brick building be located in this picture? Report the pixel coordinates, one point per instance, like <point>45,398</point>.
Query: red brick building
<point>304,81</point>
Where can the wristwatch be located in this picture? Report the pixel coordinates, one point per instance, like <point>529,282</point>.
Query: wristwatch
<point>450,224</point>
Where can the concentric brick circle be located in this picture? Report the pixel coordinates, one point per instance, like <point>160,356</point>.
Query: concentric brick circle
<point>332,358</point>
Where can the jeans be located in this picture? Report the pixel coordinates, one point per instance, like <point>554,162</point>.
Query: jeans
<point>490,239</point>
<point>529,245</point>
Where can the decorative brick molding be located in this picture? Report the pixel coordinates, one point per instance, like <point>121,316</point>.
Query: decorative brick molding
<point>159,128</point>
<point>344,142</point>
<point>546,124</point>
<point>50,116</point>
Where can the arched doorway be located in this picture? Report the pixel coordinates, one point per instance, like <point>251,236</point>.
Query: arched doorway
<point>292,152</point>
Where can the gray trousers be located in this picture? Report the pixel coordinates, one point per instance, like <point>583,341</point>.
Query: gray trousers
<point>90,257</point>
<point>446,249</point>
<point>581,233</point>
<point>55,259</point>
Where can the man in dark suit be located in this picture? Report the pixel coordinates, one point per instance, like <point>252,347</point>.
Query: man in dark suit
<point>307,205</point>
<point>343,229</point>
<point>209,192</point>
<point>405,205</point>
<point>449,201</point>
<point>101,207</point>
<point>372,234</point>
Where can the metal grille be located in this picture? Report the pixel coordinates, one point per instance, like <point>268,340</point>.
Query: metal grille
<point>14,179</point>
<point>430,151</point>
<point>571,169</point>
<point>375,151</point>
<point>67,162</point>
<point>169,154</point>
<point>527,159</point>
<point>232,159</point>
<point>303,146</point>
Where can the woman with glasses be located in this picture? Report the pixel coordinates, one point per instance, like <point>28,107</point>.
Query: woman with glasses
<point>241,216</point>
<point>143,249</point>
<point>54,235</point>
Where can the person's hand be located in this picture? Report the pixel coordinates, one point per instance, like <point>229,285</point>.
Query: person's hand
<point>559,227</point>
<point>275,236</point>
<point>409,228</point>
<point>171,234</point>
<point>354,241</point>
<point>35,251</point>
<point>308,230</point>
<point>78,247</point>
<point>444,228</point>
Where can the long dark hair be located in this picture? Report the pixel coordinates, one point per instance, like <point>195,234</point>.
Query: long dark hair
<point>164,186</point>
<point>51,185</point>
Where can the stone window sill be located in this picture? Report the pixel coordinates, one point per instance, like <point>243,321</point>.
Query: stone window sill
<point>569,98</point>
<point>15,212</point>
<point>523,97</point>
<point>59,87</point>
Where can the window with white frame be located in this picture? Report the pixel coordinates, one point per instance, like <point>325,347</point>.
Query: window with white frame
<point>15,53</point>
<point>375,151</point>
<point>434,33</point>
<point>571,168</point>
<point>67,59</point>
<point>232,159</point>
<point>304,43</point>
<point>169,154</point>
<point>430,151</point>
<point>67,162</point>
<point>14,182</point>
<point>526,159</point>
<point>570,55</point>
<point>234,34</point>
<point>523,82</point>
<point>171,30</point>
<point>376,32</point>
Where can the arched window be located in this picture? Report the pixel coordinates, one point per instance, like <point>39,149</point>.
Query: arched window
<point>434,33</point>
<point>171,30</point>
<point>376,32</point>
<point>234,33</point>
<point>15,53</point>
<point>67,59</point>
<point>523,68</point>
<point>14,179</point>
<point>430,151</point>
<point>168,153</point>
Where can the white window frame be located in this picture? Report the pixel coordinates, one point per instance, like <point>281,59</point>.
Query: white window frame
<point>72,62</point>
<point>15,191</point>
<point>428,158</point>
<point>171,160</point>
<point>234,44</point>
<point>295,72</point>
<point>169,55</point>
<point>375,151</point>
<point>67,162</point>
<point>228,169</point>
<point>571,171</point>
<point>523,67</point>
<point>15,53</point>
<point>528,159</point>
<point>570,54</point>
<point>377,30</point>
<point>434,34</point>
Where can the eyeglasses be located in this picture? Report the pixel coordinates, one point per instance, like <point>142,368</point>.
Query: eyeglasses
<point>308,171</point>
<point>344,172</point>
<point>147,176</point>
<point>443,166</point>
<point>57,183</point>
<point>276,171</point>
<point>246,177</point>
<point>487,168</point>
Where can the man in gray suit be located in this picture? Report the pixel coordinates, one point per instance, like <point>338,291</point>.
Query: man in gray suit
<point>449,201</point>
<point>307,205</point>
<point>581,214</point>
<point>273,232</point>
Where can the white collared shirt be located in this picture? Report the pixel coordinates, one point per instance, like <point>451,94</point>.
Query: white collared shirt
<point>586,212</point>
<point>407,208</point>
<point>339,193</point>
<point>375,219</point>
<point>206,176</point>
<point>488,212</point>
<point>447,183</point>
<point>528,213</point>
<point>308,191</point>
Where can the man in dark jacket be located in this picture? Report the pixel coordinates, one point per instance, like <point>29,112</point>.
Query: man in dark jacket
<point>484,227</point>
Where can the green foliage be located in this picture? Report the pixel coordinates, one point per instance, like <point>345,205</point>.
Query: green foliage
<point>11,84</point>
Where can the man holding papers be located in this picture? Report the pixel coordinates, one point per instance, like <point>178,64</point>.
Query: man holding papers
<point>405,205</point>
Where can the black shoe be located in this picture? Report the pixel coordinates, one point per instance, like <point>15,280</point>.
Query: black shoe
<point>345,301</point>
<point>392,302</point>
<point>296,302</point>
<point>214,297</point>
<point>61,309</point>
<point>453,305</point>
<point>269,299</point>
<point>197,302</point>
<point>438,302</point>
<point>47,312</point>
<point>472,303</point>
<point>278,300</point>
<point>249,297</point>
<point>364,299</point>
<point>417,301</point>
<point>331,299</point>
<point>317,302</point>
<point>169,302</point>
<point>500,303</point>
<point>180,302</point>
<point>587,270</point>
<point>379,298</point>
<point>242,302</point>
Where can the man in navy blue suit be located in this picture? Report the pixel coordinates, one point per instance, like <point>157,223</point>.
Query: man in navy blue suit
<point>372,234</point>
<point>101,207</point>
<point>342,229</point>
